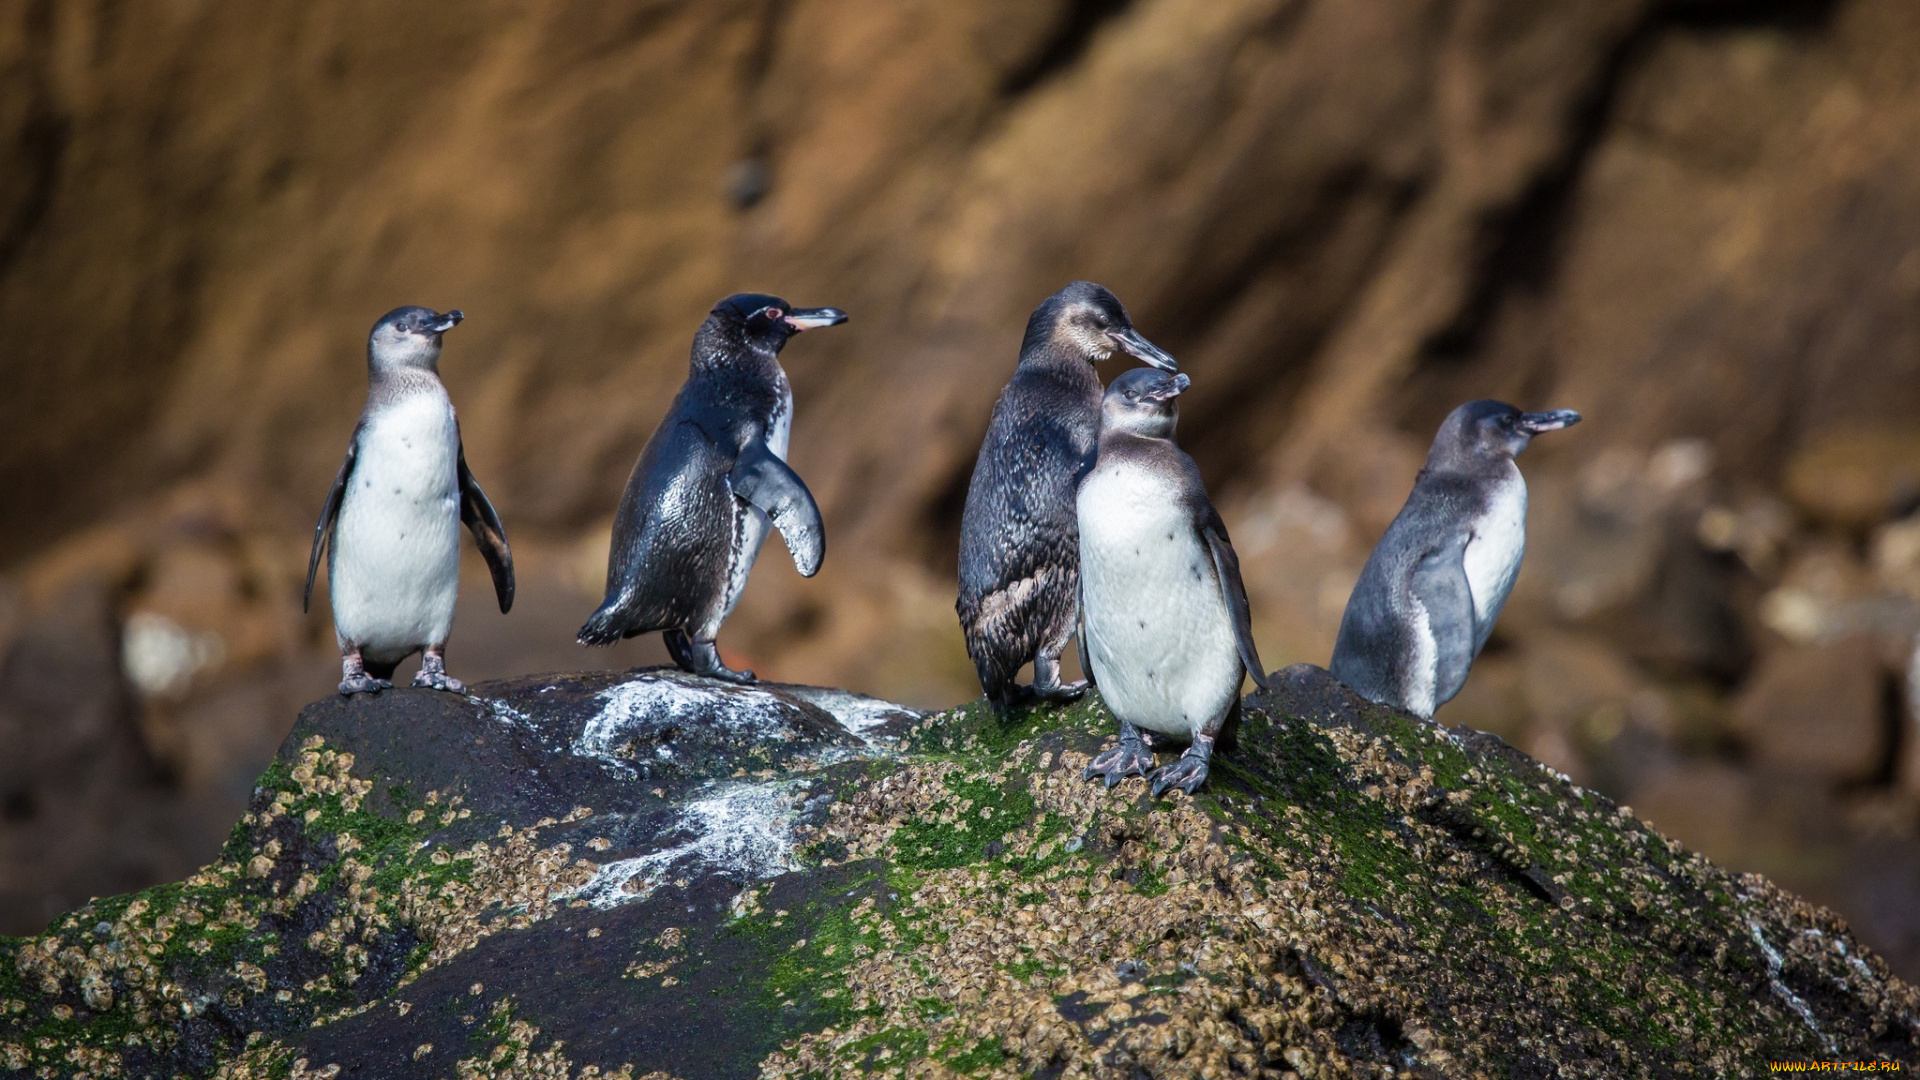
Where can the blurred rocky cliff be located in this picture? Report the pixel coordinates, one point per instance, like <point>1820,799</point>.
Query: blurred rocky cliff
<point>1694,222</point>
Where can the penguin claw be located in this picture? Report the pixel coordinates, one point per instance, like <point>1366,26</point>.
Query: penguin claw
<point>440,680</point>
<point>364,684</point>
<point>1115,765</point>
<point>1187,774</point>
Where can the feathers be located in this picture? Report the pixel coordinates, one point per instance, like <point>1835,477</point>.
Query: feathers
<point>488,534</point>
<point>1226,566</point>
<point>1019,540</point>
<point>330,512</point>
<point>767,483</point>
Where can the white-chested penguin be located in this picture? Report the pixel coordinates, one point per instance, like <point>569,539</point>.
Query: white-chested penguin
<point>391,524</point>
<point>1437,580</point>
<point>698,504</point>
<point>1166,635</point>
<point>1019,546</point>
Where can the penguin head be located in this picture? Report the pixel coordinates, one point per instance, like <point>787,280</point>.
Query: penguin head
<point>1487,431</point>
<point>766,322</point>
<point>409,337</point>
<point>1088,322</point>
<point>1142,402</point>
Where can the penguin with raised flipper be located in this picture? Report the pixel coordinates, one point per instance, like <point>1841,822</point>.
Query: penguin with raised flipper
<point>708,485</point>
<point>1428,598</point>
<point>391,524</point>
<point>1019,547</point>
<point>1167,631</point>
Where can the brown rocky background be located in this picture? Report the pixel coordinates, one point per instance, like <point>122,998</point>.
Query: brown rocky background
<point>1697,223</point>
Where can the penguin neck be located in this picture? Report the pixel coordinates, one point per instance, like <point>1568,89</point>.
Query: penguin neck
<point>391,383</point>
<point>716,353</point>
<point>1453,461</point>
<point>1122,442</point>
<point>1064,364</point>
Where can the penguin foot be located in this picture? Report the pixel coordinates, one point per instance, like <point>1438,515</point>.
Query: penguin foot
<point>439,680</point>
<point>363,684</point>
<point>1046,679</point>
<point>433,671</point>
<point>704,659</point>
<point>1060,691</point>
<point>1131,758</point>
<point>1187,774</point>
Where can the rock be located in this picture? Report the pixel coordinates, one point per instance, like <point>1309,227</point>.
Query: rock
<point>1818,710</point>
<point>653,872</point>
<point>1853,478</point>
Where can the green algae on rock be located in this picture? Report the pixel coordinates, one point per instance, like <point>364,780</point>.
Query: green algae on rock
<point>659,875</point>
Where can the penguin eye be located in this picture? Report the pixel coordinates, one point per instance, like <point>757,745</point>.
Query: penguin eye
<point>773,313</point>
<point>1132,396</point>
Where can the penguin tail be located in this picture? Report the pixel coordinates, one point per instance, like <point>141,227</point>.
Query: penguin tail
<point>604,627</point>
<point>996,675</point>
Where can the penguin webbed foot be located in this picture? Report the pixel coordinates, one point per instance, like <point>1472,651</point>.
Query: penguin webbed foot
<point>1187,774</point>
<point>354,677</point>
<point>439,680</point>
<point>433,672</point>
<point>703,658</point>
<point>363,684</point>
<point>1133,757</point>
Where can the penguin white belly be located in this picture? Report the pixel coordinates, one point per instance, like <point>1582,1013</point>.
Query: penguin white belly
<point>1493,554</point>
<point>394,570</point>
<point>750,523</point>
<point>1158,631</point>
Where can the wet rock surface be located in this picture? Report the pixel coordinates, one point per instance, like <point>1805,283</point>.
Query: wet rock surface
<point>655,874</point>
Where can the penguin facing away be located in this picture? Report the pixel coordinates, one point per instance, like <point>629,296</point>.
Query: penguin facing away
<point>1427,600</point>
<point>391,523</point>
<point>711,481</point>
<point>1019,547</point>
<point>1167,634</point>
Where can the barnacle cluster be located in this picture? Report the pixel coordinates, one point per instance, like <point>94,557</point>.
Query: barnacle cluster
<point>1355,894</point>
<point>1383,903</point>
<point>313,889</point>
<point>514,1056</point>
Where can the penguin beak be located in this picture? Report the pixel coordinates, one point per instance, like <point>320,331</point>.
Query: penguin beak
<point>1129,341</point>
<point>1168,389</point>
<point>1537,422</point>
<point>447,322</point>
<point>810,318</point>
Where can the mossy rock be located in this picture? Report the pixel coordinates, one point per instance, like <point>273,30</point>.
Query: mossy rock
<point>576,876</point>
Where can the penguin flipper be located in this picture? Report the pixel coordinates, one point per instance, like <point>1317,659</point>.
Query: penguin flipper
<point>1226,565</point>
<point>1439,583</point>
<point>771,485</point>
<point>477,512</point>
<point>329,513</point>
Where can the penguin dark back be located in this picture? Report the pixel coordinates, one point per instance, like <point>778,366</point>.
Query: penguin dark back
<point>1019,548</point>
<point>711,482</point>
<point>1428,597</point>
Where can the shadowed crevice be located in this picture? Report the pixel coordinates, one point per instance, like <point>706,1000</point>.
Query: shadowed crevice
<point>1082,19</point>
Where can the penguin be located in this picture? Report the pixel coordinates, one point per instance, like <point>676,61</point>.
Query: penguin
<point>1428,598</point>
<point>708,485</point>
<point>1166,633</point>
<point>391,524</point>
<point>1019,546</point>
